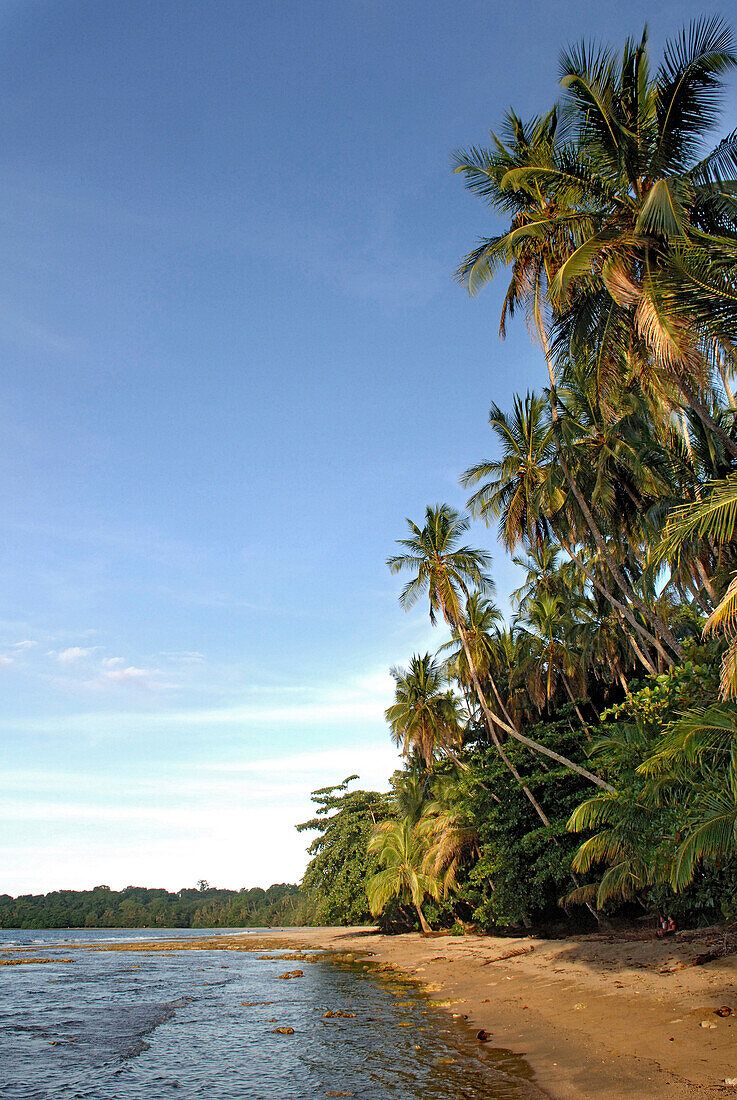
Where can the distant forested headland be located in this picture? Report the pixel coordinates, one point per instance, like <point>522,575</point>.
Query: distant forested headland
<point>139,907</point>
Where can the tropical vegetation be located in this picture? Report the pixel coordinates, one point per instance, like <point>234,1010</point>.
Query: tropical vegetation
<point>578,760</point>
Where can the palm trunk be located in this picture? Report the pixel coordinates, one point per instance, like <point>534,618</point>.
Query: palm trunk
<point>705,580</point>
<point>426,929</point>
<point>649,615</point>
<point>705,416</point>
<point>691,586</point>
<point>622,608</point>
<point>575,704</point>
<point>638,653</point>
<point>725,382</point>
<point>492,719</point>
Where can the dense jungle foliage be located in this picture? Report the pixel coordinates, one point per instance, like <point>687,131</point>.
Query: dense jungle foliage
<point>579,761</point>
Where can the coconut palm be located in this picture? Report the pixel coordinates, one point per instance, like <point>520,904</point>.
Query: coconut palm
<point>544,230</point>
<point>426,716</point>
<point>481,618</point>
<point>451,837</point>
<point>712,517</point>
<point>402,852</point>
<point>542,568</point>
<point>447,573</point>
<point>516,487</point>
<point>699,759</point>
<point>524,481</point>
<point>652,283</point>
<point>551,659</point>
<point>574,202</point>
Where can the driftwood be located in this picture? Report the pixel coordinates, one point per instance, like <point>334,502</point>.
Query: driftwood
<point>513,954</point>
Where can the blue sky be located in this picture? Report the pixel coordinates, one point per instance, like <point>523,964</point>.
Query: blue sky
<point>233,360</point>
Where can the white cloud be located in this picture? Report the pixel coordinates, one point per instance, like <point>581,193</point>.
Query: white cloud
<point>360,701</point>
<point>185,657</point>
<point>115,674</point>
<point>26,644</point>
<point>6,660</point>
<point>72,654</point>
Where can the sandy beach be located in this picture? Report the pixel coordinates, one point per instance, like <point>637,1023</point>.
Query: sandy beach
<point>595,1016</point>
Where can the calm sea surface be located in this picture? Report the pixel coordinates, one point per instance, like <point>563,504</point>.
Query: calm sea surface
<point>112,1025</point>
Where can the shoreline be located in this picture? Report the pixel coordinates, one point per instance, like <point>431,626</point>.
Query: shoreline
<point>592,1016</point>
<point>596,1015</point>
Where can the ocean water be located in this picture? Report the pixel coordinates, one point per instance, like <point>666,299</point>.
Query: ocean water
<point>126,1025</point>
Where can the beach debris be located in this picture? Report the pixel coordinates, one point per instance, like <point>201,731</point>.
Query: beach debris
<point>292,974</point>
<point>339,1094</point>
<point>725,1010</point>
<point>282,1030</point>
<point>525,950</point>
<point>483,1036</point>
<point>580,1006</point>
<point>730,1081</point>
<point>338,1014</point>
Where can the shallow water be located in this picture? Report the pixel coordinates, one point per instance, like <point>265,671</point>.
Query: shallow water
<point>129,1025</point>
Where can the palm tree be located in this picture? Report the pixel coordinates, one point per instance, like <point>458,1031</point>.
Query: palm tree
<point>589,219</point>
<point>480,620</point>
<point>551,659</point>
<point>690,776</point>
<point>447,573</point>
<point>544,230</point>
<point>651,284</point>
<point>403,876</point>
<point>699,758</point>
<point>426,715</point>
<point>541,565</point>
<point>525,475</point>
<point>712,517</point>
<point>516,487</point>
<point>452,838</point>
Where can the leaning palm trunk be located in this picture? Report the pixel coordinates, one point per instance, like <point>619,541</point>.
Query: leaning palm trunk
<point>624,609</point>
<point>426,929</point>
<point>659,627</point>
<point>710,424</point>
<point>490,720</point>
<point>571,696</point>
<point>493,720</point>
